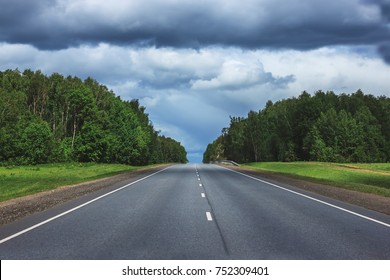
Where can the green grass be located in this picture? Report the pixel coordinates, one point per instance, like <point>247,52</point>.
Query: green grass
<point>24,180</point>
<point>369,178</point>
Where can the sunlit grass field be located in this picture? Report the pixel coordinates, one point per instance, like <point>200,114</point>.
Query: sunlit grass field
<point>19,181</point>
<point>369,178</point>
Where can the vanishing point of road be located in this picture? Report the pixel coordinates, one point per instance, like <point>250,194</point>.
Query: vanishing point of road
<point>199,211</point>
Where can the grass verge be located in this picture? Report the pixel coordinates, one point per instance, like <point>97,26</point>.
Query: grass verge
<point>18,181</point>
<point>369,178</point>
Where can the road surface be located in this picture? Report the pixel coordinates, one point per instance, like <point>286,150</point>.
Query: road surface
<point>198,211</point>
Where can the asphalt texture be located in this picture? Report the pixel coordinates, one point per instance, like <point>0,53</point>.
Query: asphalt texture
<point>198,211</point>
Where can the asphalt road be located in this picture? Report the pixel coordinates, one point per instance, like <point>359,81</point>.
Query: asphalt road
<point>200,212</point>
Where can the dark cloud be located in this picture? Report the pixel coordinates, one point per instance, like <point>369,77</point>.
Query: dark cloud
<point>384,50</point>
<point>384,47</point>
<point>19,21</point>
<point>247,23</point>
<point>384,6</point>
<point>14,12</point>
<point>386,11</point>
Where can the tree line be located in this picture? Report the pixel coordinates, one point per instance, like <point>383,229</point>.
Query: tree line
<point>320,127</point>
<point>47,119</point>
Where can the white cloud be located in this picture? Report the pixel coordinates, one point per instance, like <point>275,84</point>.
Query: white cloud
<point>338,69</point>
<point>189,94</point>
<point>235,74</point>
<point>16,56</point>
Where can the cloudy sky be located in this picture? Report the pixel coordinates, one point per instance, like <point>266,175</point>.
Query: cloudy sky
<point>193,63</point>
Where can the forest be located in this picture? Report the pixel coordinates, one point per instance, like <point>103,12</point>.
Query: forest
<point>50,119</point>
<point>321,127</point>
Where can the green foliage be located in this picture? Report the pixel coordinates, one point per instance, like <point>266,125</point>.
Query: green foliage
<point>214,151</point>
<point>62,151</point>
<point>170,151</point>
<point>56,119</point>
<point>323,127</point>
<point>36,142</point>
<point>90,145</point>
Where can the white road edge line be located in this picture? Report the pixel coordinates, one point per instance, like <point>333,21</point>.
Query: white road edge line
<point>312,198</point>
<point>208,215</point>
<point>77,207</point>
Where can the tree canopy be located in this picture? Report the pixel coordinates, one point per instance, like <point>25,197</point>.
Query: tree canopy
<point>46,119</point>
<point>323,127</point>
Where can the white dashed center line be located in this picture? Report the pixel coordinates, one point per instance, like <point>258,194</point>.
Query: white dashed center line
<point>208,214</point>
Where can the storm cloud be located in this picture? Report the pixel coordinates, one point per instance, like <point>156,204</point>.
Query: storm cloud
<point>303,24</point>
<point>384,50</point>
